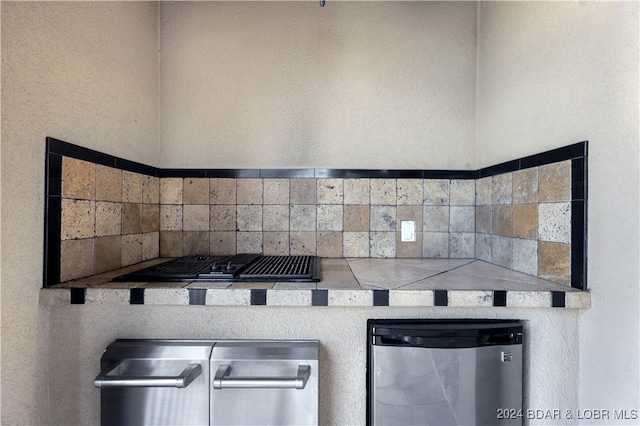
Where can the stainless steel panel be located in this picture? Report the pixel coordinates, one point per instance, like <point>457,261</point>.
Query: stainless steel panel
<point>261,369</point>
<point>466,386</point>
<point>134,378</point>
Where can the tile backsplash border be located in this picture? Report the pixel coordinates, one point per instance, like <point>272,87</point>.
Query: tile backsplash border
<point>575,155</point>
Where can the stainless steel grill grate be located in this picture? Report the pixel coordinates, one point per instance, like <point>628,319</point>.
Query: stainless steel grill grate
<point>277,267</point>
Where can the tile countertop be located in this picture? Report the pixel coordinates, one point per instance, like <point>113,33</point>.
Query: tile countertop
<point>344,282</point>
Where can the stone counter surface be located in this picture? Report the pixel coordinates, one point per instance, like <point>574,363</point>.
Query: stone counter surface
<point>344,282</point>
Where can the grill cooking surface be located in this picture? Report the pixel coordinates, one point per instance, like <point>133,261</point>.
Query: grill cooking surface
<point>245,267</point>
<point>279,266</point>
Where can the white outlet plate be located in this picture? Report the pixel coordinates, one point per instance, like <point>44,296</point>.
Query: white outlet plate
<point>408,231</point>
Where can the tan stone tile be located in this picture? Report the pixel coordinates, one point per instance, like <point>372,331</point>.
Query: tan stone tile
<point>502,189</point>
<point>171,217</point>
<point>222,242</point>
<point>131,249</point>
<point>356,244</point>
<point>196,191</point>
<point>108,253</point>
<point>303,243</point>
<point>150,190</point>
<point>483,219</point>
<point>330,217</point>
<point>462,192</point>
<point>382,244</point>
<point>195,217</point>
<point>108,183</point>
<point>249,242</point>
<point>276,191</point>
<point>222,191</point>
<point>525,221</point>
<point>329,244</point>
<point>502,220</point>
<point>76,259</point>
<point>554,262</point>
<point>302,191</point>
<point>108,218</point>
<point>150,245</point>
<point>409,249</point>
<point>436,192</point>
<point>436,219</point>
<point>303,218</point>
<point>171,191</point>
<point>356,191</point>
<point>249,191</point>
<point>78,219</point>
<point>131,187</point>
<point>131,218</point>
<point>410,192</point>
<point>356,218</point>
<point>483,191</point>
<point>525,186</point>
<point>223,218</point>
<point>330,191</point>
<point>383,192</point>
<point>276,243</point>
<point>275,218</point>
<point>195,243</point>
<point>554,182</point>
<point>151,217</point>
<point>249,217</point>
<point>171,244</point>
<point>383,218</point>
<point>409,213</point>
<point>78,179</point>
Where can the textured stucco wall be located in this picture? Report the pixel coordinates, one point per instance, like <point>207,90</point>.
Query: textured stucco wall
<point>85,73</point>
<point>550,344</point>
<point>382,85</point>
<point>556,73</point>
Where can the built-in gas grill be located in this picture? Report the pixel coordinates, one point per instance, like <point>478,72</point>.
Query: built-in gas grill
<point>238,267</point>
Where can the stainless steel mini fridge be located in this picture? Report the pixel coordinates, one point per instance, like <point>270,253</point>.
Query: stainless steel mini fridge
<point>444,372</point>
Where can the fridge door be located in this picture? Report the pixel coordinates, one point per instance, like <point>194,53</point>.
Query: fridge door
<point>464,386</point>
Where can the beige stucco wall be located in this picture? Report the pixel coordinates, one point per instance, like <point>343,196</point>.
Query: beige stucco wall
<point>85,73</point>
<point>556,73</point>
<point>379,85</point>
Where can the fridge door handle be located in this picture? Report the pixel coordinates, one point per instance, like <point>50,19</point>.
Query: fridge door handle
<point>188,375</point>
<point>222,380</point>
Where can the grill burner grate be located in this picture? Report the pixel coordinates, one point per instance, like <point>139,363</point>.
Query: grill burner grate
<point>293,267</point>
<point>246,267</point>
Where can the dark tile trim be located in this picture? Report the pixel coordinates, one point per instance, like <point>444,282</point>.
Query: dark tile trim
<point>570,152</point>
<point>66,149</point>
<point>558,299</point>
<point>52,249</point>
<point>450,174</point>
<point>54,175</point>
<point>380,297</point>
<point>182,173</point>
<point>509,166</point>
<point>132,166</point>
<point>136,296</point>
<point>77,296</point>
<point>258,296</point>
<point>286,173</point>
<point>233,173</point>
<point>197,296</point>
<point>499,298</point>
<point>440,298</point>
<point>578,245</point>
<point>319,297</point>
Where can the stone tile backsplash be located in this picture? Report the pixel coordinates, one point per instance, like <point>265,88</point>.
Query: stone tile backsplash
<point>113,218</point>
<point>523,221</point>
<point>110,218</point>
